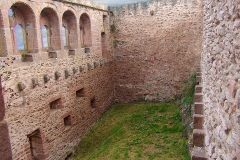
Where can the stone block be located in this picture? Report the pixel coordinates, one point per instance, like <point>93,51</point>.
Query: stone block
<point>199,74</point>
<point>198,154</point>
<point>81,68</point>
<point>198,121</point>
<point>198,97</point>
<point>75,69</point>
<point>57,75</point>
<point>46,78</point>
<point>198,108</point>
<point>21,86</point>
<point>34,82</point>
<point>95,64</point>
<point>198,137</point>
<point>67,74</point>
<point>89,66</point>
<point>199,79</point>
<point>198,89</point>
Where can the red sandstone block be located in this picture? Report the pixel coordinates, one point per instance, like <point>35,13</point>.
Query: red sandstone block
<point>198,108</point>
<point>198,121</point>
<point>198,137</point>
<point>198,97</point>
<point>199,74</point>
<point>199,79</point>
<point>198,89</point>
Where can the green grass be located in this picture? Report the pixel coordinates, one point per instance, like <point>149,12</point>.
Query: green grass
<point>136,131</point>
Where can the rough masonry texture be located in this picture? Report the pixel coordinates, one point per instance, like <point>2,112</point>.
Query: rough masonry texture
<point>221,78</point>
<point>64,62</point>
<point>50,96</point>
<point>158,45</point>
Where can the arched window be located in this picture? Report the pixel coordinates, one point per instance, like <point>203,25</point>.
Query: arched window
<point>104,45</point>
<point>50,19</point>
<point>23,29</point>
<point>64,36</point>
<point>85,31</point>
<point>19,37</point>
<point>69,21</point>
<point>44,37</point>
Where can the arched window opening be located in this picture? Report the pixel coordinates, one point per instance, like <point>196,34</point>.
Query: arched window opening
<point>45,36</point>
<point>70,23</point>
<point>23,28</point>
<point>50,19</point>
<point>64,36</point>
<point>105,22</point>
<point>85,30</point>
<point>19,37</point>
<point>104,45</point>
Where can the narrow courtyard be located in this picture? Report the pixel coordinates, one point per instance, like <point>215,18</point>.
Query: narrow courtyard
<point>136,131</point>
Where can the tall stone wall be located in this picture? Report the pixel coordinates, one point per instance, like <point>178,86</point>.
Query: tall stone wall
<point>158,45</point>
<point>51,97</point>
<point>221,79</point>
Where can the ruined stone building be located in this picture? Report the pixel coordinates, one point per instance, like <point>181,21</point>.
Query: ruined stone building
<point>63,63</point>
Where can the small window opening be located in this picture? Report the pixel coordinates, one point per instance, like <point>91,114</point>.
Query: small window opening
<point>64,36</point>
<point>36,144</point>
<point>93,103</point>
<point>19,37</point>
<point>44,36</point>
<point>67,121</point>
<point>80,92</point>
<point>57,104</point>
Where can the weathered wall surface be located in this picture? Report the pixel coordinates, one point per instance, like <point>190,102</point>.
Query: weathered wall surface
<point>155,53</point>
<point>44,114</point>
<point>221,78</point>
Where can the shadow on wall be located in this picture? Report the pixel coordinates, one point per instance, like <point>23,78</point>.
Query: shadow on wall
<point>154,67</point>
<point>5,146</point>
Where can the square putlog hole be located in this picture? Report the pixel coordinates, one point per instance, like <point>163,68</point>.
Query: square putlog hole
<point>67,121</point>
<point>93,103</point>
<point>80,93</point>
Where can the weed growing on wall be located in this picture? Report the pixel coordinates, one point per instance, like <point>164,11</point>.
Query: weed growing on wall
<point>189,90</point>
<point>112,28</point>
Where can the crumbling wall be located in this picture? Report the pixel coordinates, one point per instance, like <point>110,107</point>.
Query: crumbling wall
<point>157,46</point>
<point>221,79</point>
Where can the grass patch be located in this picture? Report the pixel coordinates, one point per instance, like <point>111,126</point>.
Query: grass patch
<point>136,131</point>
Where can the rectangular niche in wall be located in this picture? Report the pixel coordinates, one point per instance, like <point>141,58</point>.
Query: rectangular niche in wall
<point>36,144</point>
<point>56,104</point>
<point>52,54</point>
<point>67,121</point>
<point>80,92</point>
<point>93,102</point>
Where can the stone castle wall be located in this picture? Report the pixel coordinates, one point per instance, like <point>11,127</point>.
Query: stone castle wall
<point>221,79</point>
<point>53,95</point>
<point>158,45</point>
